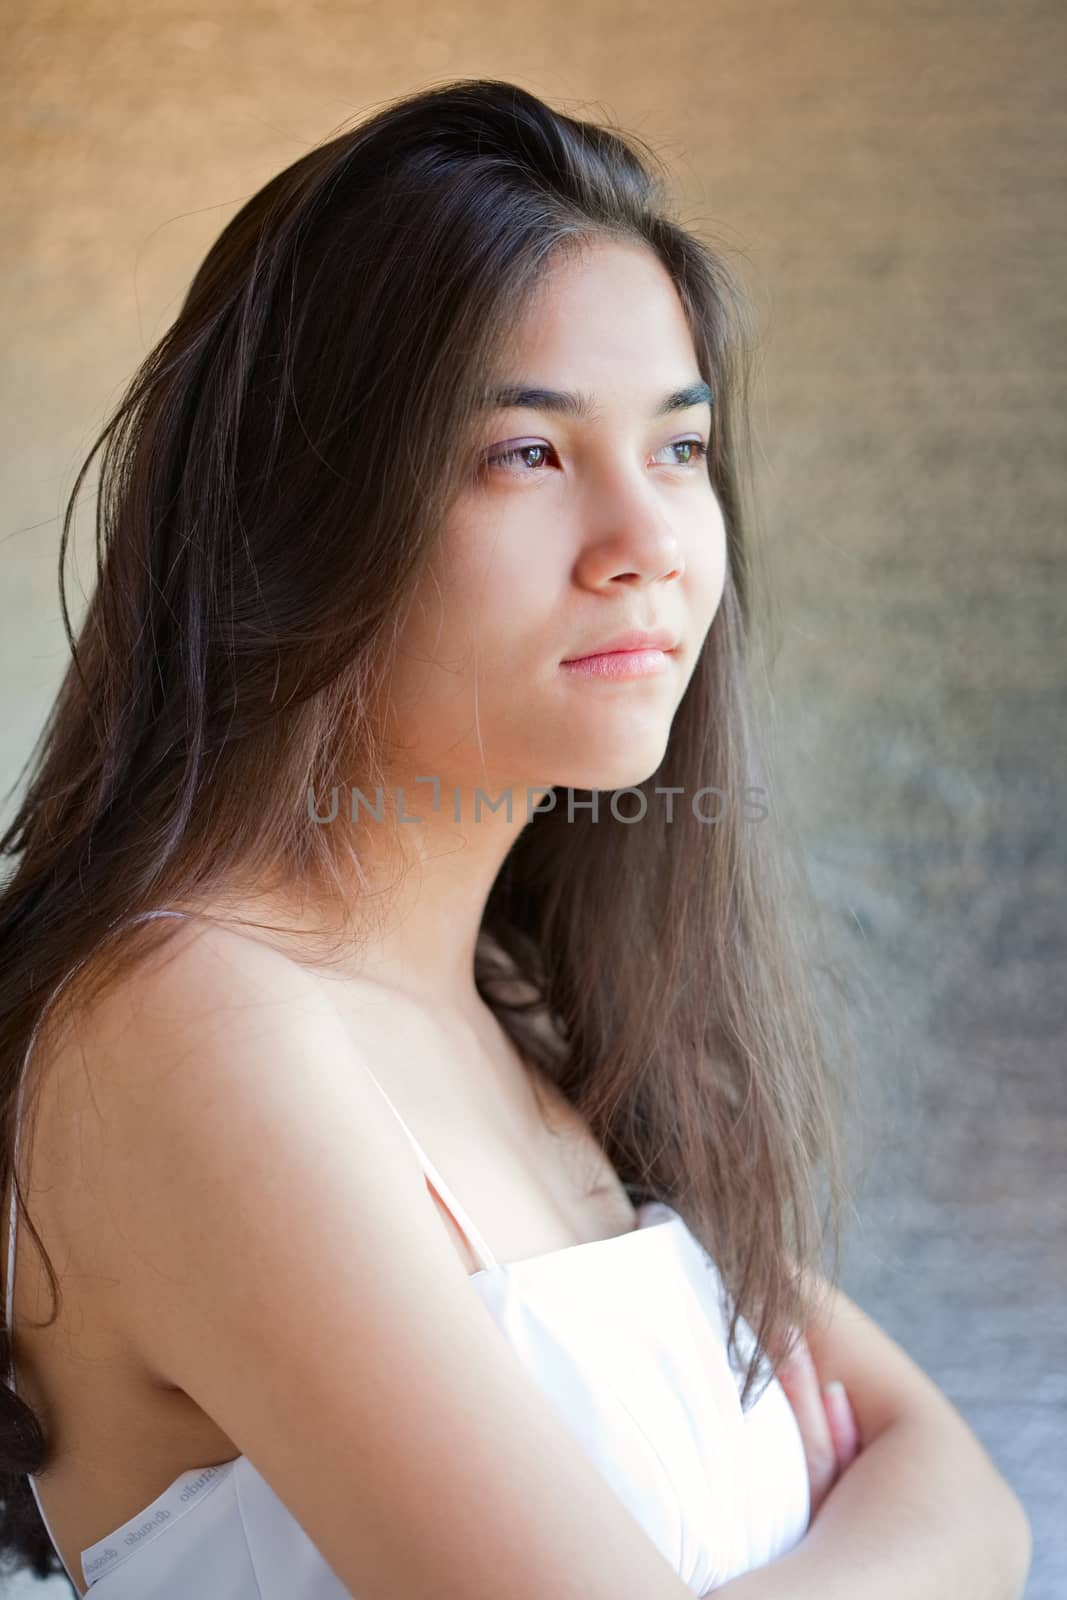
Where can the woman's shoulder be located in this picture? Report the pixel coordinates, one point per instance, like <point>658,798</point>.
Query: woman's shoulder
<point>257,940</point>
<point>212,1043</point>
<point>182,963</point>
<point>113,1058</point>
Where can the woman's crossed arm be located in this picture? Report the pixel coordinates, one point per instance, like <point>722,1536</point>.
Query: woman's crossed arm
<point>921,1513</point>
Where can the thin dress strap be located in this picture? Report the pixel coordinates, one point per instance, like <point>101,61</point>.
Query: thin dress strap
<point>10,1302</point>
<point>479,1248</point>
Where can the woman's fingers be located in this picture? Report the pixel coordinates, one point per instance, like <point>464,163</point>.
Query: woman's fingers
<point>800,1381</point>
<point>844,1430</point>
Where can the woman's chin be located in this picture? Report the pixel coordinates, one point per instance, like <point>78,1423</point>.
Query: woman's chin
<point>624,769</point>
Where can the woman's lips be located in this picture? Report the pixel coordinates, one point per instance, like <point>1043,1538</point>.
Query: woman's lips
<point>620,664</point>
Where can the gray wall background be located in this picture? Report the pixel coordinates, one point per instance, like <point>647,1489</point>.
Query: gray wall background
<point>891,176</point>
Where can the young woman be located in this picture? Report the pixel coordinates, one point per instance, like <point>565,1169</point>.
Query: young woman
<point>403,1038</point>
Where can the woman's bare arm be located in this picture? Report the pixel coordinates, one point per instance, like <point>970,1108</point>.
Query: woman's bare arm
<point>265,1226</point>
<point>922,1512</point>
<point>884,1385</point>
<point>919,1515</point>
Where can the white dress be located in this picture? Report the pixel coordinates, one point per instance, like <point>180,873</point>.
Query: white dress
<point>625,1336</point>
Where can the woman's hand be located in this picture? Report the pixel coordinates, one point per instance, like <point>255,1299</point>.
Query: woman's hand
<point>826,1421</point>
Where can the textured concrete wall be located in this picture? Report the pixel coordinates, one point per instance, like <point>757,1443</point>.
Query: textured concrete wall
<point>892,176</point>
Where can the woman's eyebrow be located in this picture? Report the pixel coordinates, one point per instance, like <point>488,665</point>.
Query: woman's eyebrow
<point>583,407</point>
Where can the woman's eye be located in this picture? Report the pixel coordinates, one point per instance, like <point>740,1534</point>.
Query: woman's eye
<point>516,453</point>
<point>521,453</point>
<point>696,447</point>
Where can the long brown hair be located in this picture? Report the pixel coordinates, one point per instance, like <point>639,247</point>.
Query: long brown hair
<point>250,579</point>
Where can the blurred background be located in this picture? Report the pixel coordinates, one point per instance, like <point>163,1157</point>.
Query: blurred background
<point>889,177</point>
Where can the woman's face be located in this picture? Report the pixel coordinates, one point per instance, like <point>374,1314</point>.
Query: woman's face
<point>592,527</point>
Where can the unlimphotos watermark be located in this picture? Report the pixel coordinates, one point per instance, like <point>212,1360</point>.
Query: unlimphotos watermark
<point>708,805</point>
